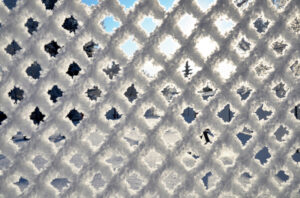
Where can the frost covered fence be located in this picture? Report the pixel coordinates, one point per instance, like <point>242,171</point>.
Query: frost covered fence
<point>184,98</point>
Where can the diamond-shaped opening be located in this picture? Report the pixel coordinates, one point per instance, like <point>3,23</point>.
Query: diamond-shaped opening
<point>13,48</point>
<point>112,70</point>
<point>135,182</point>
<point>245,136</point>
<point>98,181</point>
<point>207,91</point>
<point>52,48</point>
<point>19,137</point>
<point>244,92</point>
<point>205,4</point>
<point>261,25</point>
<point>93,93</point>
<point>263,155</point>
<point>36,116</point>
<point>282,176</point>
<point>167,4</point>
<point>131,93</point>
<point>113,114</point>
<point>206,46</point>
<point>188,69</point>
<point>243,46</point>
<point>171,180</point>
<point>60,183</point>
<point>34,70</point>
<point>73,69</point>
<point>109,24</point>
<point>226,69</point>
<point>2,117</point>
<point>148,24</point>
<point>10,4</point>
<point>39,162</point>
<point>280,91</point>
<point>129,47</point>
<point>263,114</point>
<point>31,25</point>
<point>77,160</point>
<point>224,25</point>
<point>115,161</point>
<point>22,183</point>
<point>133,138</point>
<point>49,4</point>
<point>169,46</point>
<point>262,69</point>
<point>150,69</point>
<point>75,116</point>
<point>226,114</point>
<point>153,159</point>
<point>279,47</point>
<point>70,24</point>
<point>90,48</point>
<point>55,93</point>
<point>56,138</point>
<point>187,23</point>
<point>280,133</point>
<point>170,92</point>
<point>151,113</point>
<point>127,3</point>
<point>16,94</point>
<point>206,136</point>
<point>170,138</point>
<point>89,2</point>
<point>189,114</point>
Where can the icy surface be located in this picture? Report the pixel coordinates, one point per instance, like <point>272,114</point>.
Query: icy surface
<point>167,107</point>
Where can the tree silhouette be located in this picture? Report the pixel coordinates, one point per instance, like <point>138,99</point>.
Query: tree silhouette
<point>187,70</point>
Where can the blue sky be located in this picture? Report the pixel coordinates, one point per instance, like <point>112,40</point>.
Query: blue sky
<point>205,4</point>
<point>110,24</point>
<point>167,4</point>
<point>90,2</point>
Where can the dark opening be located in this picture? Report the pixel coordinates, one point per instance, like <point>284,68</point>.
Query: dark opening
<point>16,94</point>
<point>90,48</point>
<point>263,155</point>
<point>169,93</point>
<point>205,179</point>
<point>244,92</point>
<point>75,116</point>
<point>150,114</point>
<point>2,117</point>
<point>70,24</point>
<point>13,48</point>
<point>205,134</point>
<point>113,114</point>
<point>60,183</point>
<point>52,48</point>
<point>34,70</point>
<point>73,70</point>
<point>226,114</point>
<point>55,93</point>
<point>280,132</point>
<point>19,137</point>
<point>282,176</point>
<point>56,138</point>
<point>10,3</point>
<point>189,114</point>
<point>260,25</point>
<point>49,4</point>
<point>31,25</point>
<point>244,45</point>
<point>296,156</point>
<point>36,116</point>
<point>296,111</point>
<point>131,93</point>
<point>22,183</point>
<point>261,114</point>
<point>94,93</point>
<point>112,71</point>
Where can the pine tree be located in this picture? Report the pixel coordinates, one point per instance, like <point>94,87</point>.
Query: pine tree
<point>187,70</point>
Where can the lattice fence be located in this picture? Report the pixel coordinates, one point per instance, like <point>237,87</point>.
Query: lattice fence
<point>80,118</point>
